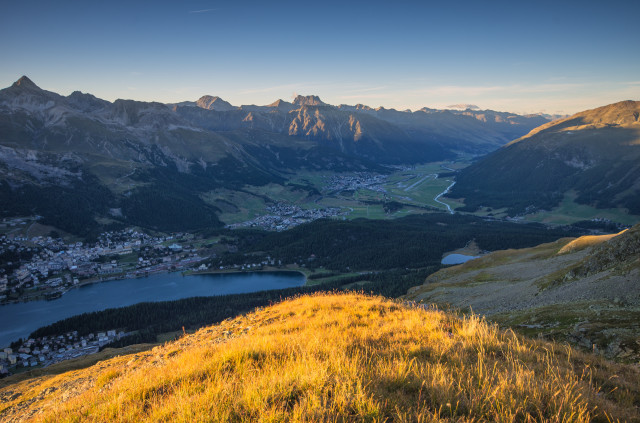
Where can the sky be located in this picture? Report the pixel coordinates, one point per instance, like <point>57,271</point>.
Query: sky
<point>524,57</point>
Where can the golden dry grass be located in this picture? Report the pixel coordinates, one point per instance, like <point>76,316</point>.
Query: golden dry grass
<point>74,364</point>
<point>341,357</point>
<point>587,241</point>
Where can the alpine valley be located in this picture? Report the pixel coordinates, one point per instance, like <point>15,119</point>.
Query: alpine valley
<point>84,164</point>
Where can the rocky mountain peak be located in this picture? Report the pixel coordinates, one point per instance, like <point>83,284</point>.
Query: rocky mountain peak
<point>309,100</point>
<point>280,104</point>
<point>26,83</point>
<point>214,103</point>
<point>86,102</point>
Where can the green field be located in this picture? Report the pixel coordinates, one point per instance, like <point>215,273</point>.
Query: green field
<point>570,212</point>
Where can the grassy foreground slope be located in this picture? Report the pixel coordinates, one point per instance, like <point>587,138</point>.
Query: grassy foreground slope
<point>338,357</point>
<point>585,291</point>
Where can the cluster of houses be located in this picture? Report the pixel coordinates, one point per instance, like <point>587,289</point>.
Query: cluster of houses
<point>55,266</point>
<point>360,180</point>
<point>247,266</point>
<point>42,352</point>
<point>283,216</point>
<point>166,263</point>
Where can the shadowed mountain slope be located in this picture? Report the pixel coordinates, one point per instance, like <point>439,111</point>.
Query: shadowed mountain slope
<point>595,153</point>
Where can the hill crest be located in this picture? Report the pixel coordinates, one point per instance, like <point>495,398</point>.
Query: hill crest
<point>623,113</point>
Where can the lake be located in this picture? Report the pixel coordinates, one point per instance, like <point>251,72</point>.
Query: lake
<point>457,259</point>
<point>19,320</point>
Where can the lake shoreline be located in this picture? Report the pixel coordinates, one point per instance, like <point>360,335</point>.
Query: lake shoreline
<point>55,294</point>
<point>230,272</point>
<point>31,315</point>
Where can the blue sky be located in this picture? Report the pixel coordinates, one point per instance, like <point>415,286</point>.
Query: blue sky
<point>554,57</point>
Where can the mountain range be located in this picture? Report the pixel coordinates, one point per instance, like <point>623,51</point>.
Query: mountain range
<point>383,135</point>
<point>79,158</point>
<point>593,156</point>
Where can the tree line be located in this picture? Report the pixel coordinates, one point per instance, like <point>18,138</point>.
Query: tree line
<point>411,242</point>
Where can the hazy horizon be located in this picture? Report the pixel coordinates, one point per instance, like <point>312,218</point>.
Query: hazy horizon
<point>524,58</point>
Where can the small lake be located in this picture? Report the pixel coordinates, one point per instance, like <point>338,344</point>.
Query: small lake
<point>19,320</point>
<point>457,259</point>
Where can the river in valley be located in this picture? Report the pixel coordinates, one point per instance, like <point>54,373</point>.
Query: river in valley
<point>20,319</point>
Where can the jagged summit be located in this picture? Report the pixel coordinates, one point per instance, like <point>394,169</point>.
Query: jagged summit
<point>361,106</point>
<point>384,135</point>
<point>280,104</point>
<point>309,100</point>
<point>86,102</point>
<point>214,103</point>
<point>25,82</point>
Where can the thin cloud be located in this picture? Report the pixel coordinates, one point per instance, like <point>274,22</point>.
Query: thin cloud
<point>357,96</point>
<point>308,87</point>
<point>287,87</point>
<point>367,89</point>
<point>449,90</point>
<point>202,11</point>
